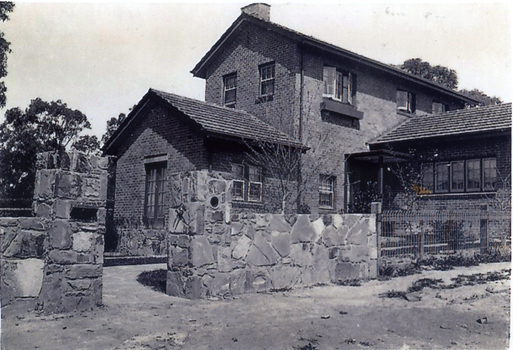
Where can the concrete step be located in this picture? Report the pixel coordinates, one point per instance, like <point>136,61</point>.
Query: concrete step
<point>113,259</point>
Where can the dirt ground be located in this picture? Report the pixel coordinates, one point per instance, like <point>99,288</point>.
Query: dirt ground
<point>327,317</point>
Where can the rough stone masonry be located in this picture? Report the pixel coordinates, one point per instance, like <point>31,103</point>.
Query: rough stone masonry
<point>213,251</point>
<point>53,262</point>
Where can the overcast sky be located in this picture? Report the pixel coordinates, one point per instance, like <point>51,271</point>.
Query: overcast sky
<point>101,58</point>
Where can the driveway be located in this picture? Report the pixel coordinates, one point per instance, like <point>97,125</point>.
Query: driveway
<point>327,317</point>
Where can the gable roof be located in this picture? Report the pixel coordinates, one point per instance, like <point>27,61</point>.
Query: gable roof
<point>454,123</point>
<point>212,119</point>
<point>200,70</point>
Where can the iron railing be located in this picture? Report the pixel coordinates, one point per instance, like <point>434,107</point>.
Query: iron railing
<point>429,232</point>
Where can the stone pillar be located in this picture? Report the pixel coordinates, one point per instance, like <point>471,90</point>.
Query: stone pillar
<point>70,196</point>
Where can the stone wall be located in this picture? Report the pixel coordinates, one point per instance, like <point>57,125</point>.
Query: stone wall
<point>214,250</point>
<point>262,252</point>
<point>53,262</point>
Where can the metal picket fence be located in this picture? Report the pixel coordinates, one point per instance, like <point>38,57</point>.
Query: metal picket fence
<point>429,232</point>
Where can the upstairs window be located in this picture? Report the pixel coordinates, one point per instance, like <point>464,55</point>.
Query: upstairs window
<point>230,90</point>
<point>338,85</point>
<point>326,191</point>
<point>247,185</point>
<point>405,101</point>
<point>439,108</point>
<point>267,80</point>
<point>154,193</point>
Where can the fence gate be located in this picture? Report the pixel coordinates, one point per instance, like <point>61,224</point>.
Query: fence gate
<point>428,232</point>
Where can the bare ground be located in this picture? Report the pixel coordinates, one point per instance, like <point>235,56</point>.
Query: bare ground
<point>328,317</point>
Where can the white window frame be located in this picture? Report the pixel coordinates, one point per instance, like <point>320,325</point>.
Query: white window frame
<point>327,187</point>
<point>338,85</point>
<point>267,74</point>
<point>247,184</point>
<point>253,183</point>
<point>228,88</point>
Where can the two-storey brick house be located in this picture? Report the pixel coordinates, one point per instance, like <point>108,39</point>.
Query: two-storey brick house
<point>264,82</point>
<point>330,99</point>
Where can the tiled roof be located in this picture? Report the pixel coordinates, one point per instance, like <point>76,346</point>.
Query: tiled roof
<point>200,69</point>
<point>227,121</point>
<point>458,122</point>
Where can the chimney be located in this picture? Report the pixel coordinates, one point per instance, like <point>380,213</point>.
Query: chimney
<point>258,10</point>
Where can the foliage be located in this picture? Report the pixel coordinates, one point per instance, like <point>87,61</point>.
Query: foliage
<point>5,8</point>
<point>281,162</point>
<point>112,125</point>
<point>43,126</point>
<point>88,144</point>
<point>484,99</point>
<point>363,198</point>
<point>438,74</point>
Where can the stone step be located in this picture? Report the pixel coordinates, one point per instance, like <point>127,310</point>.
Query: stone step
<point>117,260</point>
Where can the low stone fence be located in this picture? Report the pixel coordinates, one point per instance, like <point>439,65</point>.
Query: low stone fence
<point>263,252</point>
<point>53,262</point>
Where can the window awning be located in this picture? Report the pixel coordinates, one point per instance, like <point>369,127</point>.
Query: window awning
<point>374,156</point>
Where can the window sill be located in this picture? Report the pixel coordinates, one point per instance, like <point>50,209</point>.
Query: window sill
<point>406,114</point>
<point>322,207</point>
<point>263,99</point>
<point>458,194</point>
<point>246,204</point>
<point>341,108</point>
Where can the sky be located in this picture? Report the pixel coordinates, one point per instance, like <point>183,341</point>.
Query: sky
<point>102,57</point>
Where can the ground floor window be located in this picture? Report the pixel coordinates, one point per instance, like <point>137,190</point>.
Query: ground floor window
<point>326,191</point>
<point>471,175</point>
<point>247,183</point>
<point>154,193</point>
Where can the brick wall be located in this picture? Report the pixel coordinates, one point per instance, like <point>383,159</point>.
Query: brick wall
<point>498,146</point>
<point>253,47</point>
<point>328,139</point>
<point>158,133</point>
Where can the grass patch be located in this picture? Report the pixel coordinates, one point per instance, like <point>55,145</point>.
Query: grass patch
<point>350,283</point>
<point>155,279</point>
<point>459,281</point>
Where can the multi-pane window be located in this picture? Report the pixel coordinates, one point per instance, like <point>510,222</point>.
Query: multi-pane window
<point>442,177</point>
<point>238,187</point>
<point>247,185</point>
<point>267,80</point>
<point>155,191</point>
<point>427,177</point>
<point>439,107</point>
<point>457,176</point>
<point>405,101</point>
<point>326,191</point>
<point>472,175</point>
<point>338,85</point>
<point>254,184</point>
<point>230,90</point>
<point>490,174</point>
